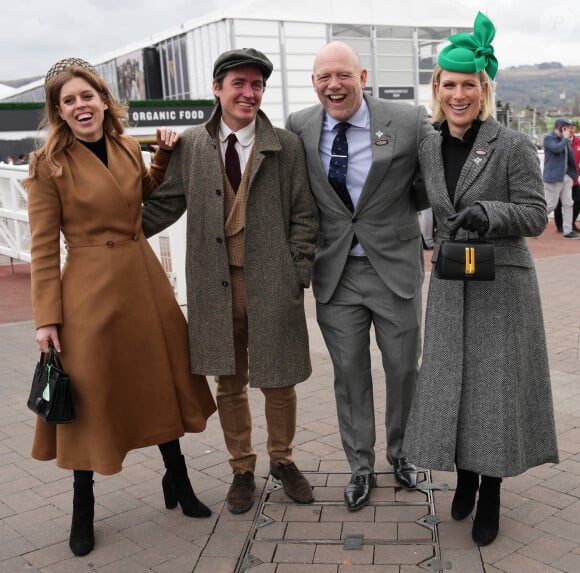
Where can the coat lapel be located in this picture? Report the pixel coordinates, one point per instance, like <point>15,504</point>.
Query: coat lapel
<point>120,159</point>
<point>438,185</point>
<point>478,158</point>
<point>382,148</point>
<point>310,135</point>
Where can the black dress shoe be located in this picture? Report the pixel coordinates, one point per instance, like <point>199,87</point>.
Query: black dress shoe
<point>358,491</point>
<point>405,472</point>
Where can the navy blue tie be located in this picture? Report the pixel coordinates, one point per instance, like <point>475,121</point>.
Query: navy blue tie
<point>339,165</point>
<point>338,168</point>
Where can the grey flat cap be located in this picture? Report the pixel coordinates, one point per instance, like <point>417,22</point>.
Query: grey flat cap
<point>242,57</point>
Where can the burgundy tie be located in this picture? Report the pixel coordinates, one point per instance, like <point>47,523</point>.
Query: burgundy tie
<point>233,162</point>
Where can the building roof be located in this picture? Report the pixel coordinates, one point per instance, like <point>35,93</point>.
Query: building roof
<point>417,13</point>
<point>6,91</point>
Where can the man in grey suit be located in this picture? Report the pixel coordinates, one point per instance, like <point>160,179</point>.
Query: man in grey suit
<point>368,267</point>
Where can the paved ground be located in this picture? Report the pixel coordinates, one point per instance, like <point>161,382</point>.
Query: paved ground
<point>398,532</point>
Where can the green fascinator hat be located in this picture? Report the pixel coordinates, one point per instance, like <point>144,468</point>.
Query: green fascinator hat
<point>471,53</point>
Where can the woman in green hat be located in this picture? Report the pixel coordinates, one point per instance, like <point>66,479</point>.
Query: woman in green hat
<point>483,404</point>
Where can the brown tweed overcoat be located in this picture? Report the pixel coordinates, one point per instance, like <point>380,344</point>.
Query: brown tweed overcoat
<point>123,335</point>
<point>280,235</point>
<point>483,397</point>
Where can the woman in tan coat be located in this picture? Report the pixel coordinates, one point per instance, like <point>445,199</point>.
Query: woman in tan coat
<point>111,313</point>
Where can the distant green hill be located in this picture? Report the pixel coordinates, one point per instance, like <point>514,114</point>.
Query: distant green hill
<point>550,88</point>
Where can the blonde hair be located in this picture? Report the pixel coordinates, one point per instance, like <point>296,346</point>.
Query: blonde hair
<point>59,134</point>
<point>487,105</point>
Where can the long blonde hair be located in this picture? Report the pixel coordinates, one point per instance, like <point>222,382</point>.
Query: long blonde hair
<point>487,105</point>
<point>59,134</point>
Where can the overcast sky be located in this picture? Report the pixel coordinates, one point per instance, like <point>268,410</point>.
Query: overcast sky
<point>36,33</point>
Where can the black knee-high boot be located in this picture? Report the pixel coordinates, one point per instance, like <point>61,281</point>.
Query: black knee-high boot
<point>176,484</point>
<point>486,523</point>
<point>464,498</point>
<point>82,536</point>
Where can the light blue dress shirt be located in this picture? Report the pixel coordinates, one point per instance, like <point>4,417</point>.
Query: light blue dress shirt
<point>360,155</point>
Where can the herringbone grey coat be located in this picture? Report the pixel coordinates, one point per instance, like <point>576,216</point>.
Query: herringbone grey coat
<point>280,236</point>
<point>484,394</point>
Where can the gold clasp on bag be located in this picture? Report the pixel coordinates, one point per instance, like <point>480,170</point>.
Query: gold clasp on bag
<point>469,261</point>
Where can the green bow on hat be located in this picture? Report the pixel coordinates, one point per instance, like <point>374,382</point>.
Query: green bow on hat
<point>471,53</point>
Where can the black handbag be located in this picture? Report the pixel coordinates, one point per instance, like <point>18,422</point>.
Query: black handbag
<point>51,392</point>
<point>465,261</point>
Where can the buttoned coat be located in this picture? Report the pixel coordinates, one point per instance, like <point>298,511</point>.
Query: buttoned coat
<point>484,394</point>
<point>559,159</point>
<point>280,235</point>
<point>123,335</point>
<point>385,219</point>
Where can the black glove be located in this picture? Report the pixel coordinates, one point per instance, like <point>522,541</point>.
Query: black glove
<point>472,218</point>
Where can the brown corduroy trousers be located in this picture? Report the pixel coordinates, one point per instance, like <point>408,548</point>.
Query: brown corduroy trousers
<point>232,398</point>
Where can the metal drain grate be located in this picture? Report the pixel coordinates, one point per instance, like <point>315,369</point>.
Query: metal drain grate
<point>397,527</point>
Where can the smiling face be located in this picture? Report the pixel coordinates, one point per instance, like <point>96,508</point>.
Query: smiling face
<point>240,95</point>
<point>82,108</point>
<point>460,96</point>
<point>338,80</point>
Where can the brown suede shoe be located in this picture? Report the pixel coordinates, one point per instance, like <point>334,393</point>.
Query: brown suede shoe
<point>240,495</point>
<point>294,483</point>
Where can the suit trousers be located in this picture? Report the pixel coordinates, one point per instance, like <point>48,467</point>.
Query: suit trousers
<point>360,301</point>
<point>232,398</point>
<point>575,209</point>
<point>562,192</point>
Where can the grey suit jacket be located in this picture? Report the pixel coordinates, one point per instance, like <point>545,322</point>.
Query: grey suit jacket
<point>385,220</point>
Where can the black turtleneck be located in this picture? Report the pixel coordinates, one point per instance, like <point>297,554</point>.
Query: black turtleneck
<point>99,148</point>
<point>455,153</point>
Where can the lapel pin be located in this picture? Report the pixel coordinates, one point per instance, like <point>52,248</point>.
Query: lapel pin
<point>480,152</point>
<point>379,134</point>
<point>477,160</point>
<point>381,142</point>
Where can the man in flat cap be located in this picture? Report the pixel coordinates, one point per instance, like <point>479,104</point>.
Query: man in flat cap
<point>251,230</point>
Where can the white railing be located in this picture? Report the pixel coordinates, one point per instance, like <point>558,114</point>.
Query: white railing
<point>14,228</point>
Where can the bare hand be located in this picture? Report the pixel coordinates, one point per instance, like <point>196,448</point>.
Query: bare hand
<point>46,334</point>
<point>167,138</point>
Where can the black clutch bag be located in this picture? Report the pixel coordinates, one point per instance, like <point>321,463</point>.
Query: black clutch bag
<point>465,261</point>
<point>51,393</point>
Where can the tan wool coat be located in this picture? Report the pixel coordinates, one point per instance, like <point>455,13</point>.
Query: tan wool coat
<point>281,223</point>
<point>123,335</point>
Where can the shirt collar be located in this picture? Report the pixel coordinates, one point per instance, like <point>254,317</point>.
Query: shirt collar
<point>469,136</point>
<point>359,119</point>
<point>245,135</point>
